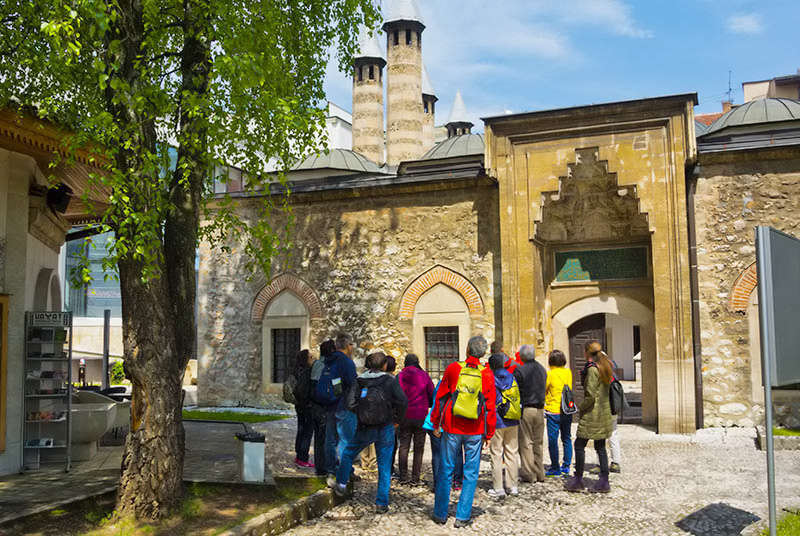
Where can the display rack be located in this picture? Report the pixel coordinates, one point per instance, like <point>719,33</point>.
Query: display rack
<point>48,380</point>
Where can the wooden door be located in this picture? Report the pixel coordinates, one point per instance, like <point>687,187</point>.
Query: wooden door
<point>589,328</point>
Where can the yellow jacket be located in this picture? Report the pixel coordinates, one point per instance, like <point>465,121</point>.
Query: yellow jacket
<point>557,378</point>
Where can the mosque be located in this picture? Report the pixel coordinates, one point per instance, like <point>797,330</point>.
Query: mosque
<point>626,222</point>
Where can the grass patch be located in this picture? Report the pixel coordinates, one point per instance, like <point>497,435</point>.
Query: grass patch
<point>231,416</point>
<point>207,509</point>
<point>788,525</point>
<point>785,432</point>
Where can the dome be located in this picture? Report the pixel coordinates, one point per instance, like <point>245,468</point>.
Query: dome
<point>463,145</point>
<point>343,159</point>
<point>757,112</point>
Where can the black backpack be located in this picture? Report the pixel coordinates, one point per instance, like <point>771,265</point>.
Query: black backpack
<point>372,403</point>
<point>616,397</point>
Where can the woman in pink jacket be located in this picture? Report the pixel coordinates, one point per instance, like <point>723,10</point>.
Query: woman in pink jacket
<point>418,387</point>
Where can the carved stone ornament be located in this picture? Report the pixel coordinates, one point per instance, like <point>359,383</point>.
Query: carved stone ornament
<point>590,205</point>
<point>45,225</point>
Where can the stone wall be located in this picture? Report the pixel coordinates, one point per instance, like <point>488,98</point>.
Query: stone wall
<point>734,195</point>
<point>359,255</point>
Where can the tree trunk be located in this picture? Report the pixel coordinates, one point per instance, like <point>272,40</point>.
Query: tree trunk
<point>158,314</point>
<point>151,485</point>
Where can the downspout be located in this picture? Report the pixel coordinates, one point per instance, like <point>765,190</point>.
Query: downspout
<point>691,189</point>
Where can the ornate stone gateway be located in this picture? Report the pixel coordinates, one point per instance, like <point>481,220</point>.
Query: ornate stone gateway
<point>593,226</point>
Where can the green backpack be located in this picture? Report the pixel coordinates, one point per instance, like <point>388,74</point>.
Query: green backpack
<point>468,396</point>
<point>511,402</point>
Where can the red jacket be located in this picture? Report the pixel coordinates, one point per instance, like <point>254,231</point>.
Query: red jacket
<point>453,424</point>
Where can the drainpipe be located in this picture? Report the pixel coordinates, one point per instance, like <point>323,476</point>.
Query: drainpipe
<point>691,188</point>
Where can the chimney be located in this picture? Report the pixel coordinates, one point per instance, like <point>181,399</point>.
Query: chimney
<point>368,98</point>
<point>726,106</point>
<point>458,122</point>
<point>404,108</point>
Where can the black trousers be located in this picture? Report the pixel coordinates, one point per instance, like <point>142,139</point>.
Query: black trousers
<point>305,430</point>
<point>408,430</point>
<point>580,455</point>
<point>318,417</point>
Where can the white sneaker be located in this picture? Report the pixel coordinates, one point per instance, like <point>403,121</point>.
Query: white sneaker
<point>497,493</point>
<point>514,492</point>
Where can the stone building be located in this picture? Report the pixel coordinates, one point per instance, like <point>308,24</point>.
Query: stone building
<point>612,222</point>
<point>748,175</point>
<point>34,220</point>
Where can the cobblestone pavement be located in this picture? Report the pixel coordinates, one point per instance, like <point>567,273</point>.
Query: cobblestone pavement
<point>716,474</point>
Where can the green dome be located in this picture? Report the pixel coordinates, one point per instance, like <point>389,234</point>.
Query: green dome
<point>463,145</point>
<point>343,159</point>
<point>757,112</point>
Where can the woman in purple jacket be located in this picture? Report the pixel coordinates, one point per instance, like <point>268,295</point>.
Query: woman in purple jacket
<point>418,387</point>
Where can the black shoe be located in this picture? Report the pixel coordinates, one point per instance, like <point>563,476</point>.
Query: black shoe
<point>339,490</point>
<point>439,520</point>
<point>381,509</point>
<point>460,523</point>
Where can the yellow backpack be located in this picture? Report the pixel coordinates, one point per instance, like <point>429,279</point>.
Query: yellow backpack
<point>511,402</point>
<point>468,397</point>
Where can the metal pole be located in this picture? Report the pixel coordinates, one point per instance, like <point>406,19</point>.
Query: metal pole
<point>106,329</point>
<point>764,267</point>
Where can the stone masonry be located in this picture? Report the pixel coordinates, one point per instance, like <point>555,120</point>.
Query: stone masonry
<point>734,195</point>
<point>362,258</point>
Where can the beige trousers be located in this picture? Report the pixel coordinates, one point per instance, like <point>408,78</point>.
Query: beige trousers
<point>368,458</point>
<point>531,435</point>
<point>504,441</point>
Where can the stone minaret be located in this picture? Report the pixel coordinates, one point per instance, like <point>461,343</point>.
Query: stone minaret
<point>404,112</point>
<point>368,98</point>
<point>458,123</point>
<point>429,110</point>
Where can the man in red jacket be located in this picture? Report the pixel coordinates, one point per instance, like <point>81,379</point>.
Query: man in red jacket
<point>462,436</point>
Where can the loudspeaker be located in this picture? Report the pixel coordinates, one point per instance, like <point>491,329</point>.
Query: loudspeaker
<point>58,197</point>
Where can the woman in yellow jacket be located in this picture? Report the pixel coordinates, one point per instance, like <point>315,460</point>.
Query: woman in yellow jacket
<point>557,423</point>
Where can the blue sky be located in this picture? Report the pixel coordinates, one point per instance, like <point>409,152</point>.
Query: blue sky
<point>529,55</point>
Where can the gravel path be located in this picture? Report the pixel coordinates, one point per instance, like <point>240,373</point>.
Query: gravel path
<point>716,475</point>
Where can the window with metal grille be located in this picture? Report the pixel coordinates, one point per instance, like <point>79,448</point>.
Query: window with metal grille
<point>441,348</point>
<point>285,345</point>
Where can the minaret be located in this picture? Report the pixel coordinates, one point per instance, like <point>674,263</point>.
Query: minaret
<point>404,112</point>
<point>368,98</point>
<point>429,110</point>
<point>458,123</point>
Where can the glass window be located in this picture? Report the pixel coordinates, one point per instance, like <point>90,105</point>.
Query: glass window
<point>102,292</point>
<point>441,348</point>
<point>285,345</point>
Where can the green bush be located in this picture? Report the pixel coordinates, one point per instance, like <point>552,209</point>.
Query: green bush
<point>117,373</point>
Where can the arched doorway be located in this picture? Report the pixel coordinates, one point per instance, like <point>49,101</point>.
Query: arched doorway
<point>587,329</point>
<point>607,318</point>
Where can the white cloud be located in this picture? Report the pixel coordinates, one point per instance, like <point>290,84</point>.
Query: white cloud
<point>613,15</point>
<point>745,23</point>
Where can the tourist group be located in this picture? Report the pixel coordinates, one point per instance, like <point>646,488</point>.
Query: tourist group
<point>503,405</point>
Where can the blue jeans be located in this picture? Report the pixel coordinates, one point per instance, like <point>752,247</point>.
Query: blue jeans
<point>559,424</point>
<point>383,437</point>
<point>453,446</point>
<point>458,473</point>
<point>340,427</point>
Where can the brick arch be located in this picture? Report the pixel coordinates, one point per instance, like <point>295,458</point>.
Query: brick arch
<point>279,284</point>
<point>742,288</point>
<point>434,276</point>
